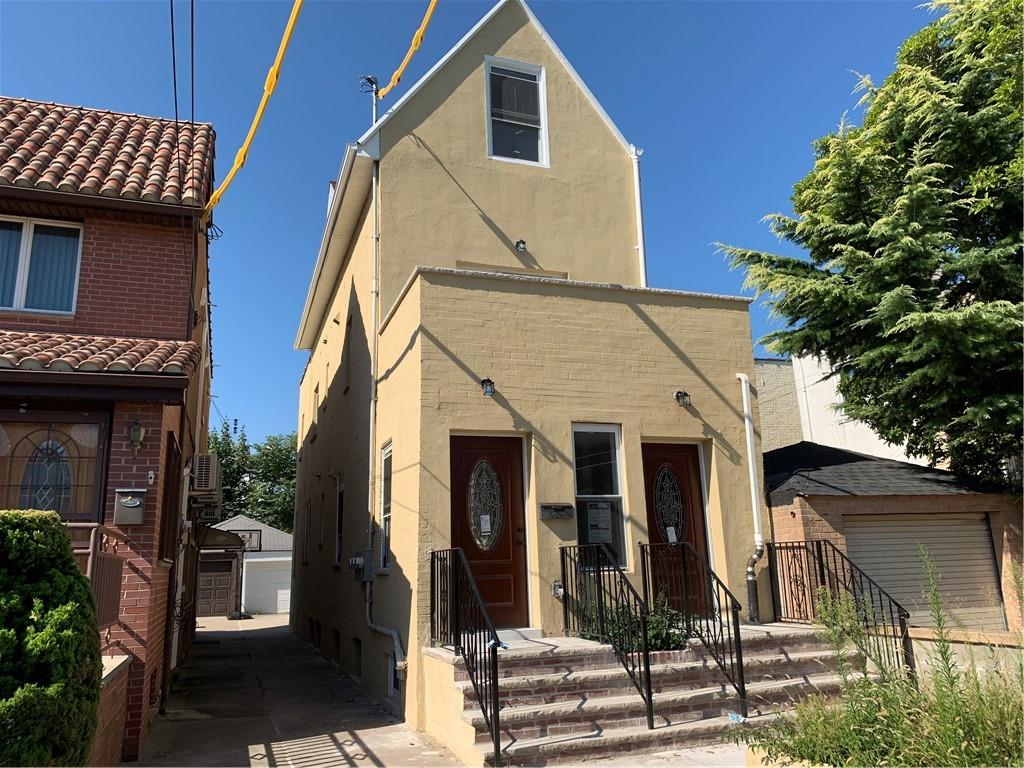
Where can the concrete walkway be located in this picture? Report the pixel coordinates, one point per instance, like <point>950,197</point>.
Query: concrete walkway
<point>252,694</point>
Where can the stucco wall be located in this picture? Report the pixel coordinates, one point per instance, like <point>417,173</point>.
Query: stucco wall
<point>443,199</point>
<point>780,411</point>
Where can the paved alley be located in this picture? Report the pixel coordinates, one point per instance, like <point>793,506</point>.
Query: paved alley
<point>252,694</point>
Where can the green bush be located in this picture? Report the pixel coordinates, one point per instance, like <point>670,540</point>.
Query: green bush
<point>954,714</point>
<point>50,666</point>
<point>665,629</point>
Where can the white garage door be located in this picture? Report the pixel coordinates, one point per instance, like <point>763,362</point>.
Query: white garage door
<point>887,548</point>
<point>263,582</point>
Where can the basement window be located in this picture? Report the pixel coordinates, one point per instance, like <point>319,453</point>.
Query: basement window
<point>39,262</point>
<point>516,112</point>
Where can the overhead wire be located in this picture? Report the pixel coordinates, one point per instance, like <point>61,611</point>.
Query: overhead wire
<point>417,40</point>
<point>268,89</point>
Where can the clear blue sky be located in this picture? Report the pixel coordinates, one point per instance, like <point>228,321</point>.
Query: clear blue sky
<point>724,97</point>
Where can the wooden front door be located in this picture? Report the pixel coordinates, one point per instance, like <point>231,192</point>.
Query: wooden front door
<point>675,513</point>
<point>488,522</point>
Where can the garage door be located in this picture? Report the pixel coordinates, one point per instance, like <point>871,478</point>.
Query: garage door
<point>886,547</point>
<point>265,581</point>
<point>214,596</point>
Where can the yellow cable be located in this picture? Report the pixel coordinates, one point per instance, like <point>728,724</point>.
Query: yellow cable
<point>417,38</point>
<point>268,90</point>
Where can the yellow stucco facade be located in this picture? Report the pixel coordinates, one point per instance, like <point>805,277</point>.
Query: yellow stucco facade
<point>564,328</point>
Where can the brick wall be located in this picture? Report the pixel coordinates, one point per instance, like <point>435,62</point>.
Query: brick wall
<point>107,743</point>
<point>140,631</point>
<point>134,280</point>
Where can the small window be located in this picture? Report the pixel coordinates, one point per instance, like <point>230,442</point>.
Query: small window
<point>323,523</point>
<point>305,533</point>
<point>385,507</point>
<point>339,516</point>
<point>39,265</point>
<point>599,515</point>
<point>516,119</point>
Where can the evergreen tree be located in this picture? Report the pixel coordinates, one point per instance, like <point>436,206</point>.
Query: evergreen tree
<point>912,285</point>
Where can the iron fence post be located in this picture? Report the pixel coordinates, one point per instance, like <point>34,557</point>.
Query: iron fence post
<point>433,600</point>
<point>453,617</point>
<point>687,614</point>
<point>646,672</point>
<point>644,553</point>
<point>565,592</point>
<point>741,682</point>
<point>600,594</point>
<point>495,724</point>
<point>773,577</point>
<point>908,647</point>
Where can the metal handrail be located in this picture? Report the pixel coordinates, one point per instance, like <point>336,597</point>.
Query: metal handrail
<point>799,569</point>
<point>459,618</point>
<point>708,609</point>
<point>599,603</point>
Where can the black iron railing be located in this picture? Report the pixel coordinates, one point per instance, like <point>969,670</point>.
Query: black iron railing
<point>600,604</point>
<point>800,569</point>
<point>458,618</point>
<point>681,577</point>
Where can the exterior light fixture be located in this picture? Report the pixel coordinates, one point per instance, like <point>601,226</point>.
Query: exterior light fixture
<point>683,399</point>
<point>488,387</point>
<point>521,246</point>
<point>136,434</point>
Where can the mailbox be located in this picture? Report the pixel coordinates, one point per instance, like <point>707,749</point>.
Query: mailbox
<point>129,506</point>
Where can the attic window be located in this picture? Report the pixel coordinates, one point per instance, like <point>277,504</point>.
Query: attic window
<point>516,112</point>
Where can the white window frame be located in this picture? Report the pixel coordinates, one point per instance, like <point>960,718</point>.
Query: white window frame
<point>28,226</point>
<point>384,563</point>
<point>616,430</point>
<point>543,160</point>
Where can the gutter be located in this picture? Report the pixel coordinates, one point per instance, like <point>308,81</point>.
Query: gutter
<point>634,154</point>
<point>753,609</point>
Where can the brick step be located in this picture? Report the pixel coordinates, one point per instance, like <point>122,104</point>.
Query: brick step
<point>588,684</point>
<point>571,719</point>
<point>553,750</point>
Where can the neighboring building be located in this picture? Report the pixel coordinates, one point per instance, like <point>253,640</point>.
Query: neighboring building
<point>105,367</point>
<point>526,377</point>
<point>263,575</point>
<point>799,401</point>
<point>880,512</point>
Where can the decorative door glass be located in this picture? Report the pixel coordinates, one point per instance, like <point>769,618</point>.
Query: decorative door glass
<point>668,504</point>
<point>485,512</point>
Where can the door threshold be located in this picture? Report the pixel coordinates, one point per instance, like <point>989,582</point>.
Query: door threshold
<point>514,634</point>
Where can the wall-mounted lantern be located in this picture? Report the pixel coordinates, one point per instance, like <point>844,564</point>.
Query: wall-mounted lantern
<point>487,386</point>
<point>136,434</point>
<point>683,399</point>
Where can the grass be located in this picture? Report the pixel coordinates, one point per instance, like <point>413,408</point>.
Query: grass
<point>955,713</point>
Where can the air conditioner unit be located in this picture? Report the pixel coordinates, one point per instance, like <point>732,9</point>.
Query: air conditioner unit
<point>206,474</point>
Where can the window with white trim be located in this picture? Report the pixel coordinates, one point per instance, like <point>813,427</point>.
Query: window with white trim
<point>516,112</point>
<point>597,450</point>
<point>385,506</point>
<point>39,262</point>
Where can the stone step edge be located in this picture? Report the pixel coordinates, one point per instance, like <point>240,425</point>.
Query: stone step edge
<point>618,672</point>
<point>605,705</point>
<point>636,739</point>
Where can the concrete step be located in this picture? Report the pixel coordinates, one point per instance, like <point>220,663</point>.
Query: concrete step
<point>588,684</point>
<point>552,750</point>
<point>608,713</point>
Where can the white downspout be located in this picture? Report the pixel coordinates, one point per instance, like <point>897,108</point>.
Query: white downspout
<point>755,501</point>
<point>400,661</point>
<point>634,154</point>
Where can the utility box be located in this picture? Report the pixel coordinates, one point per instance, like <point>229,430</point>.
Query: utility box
<point>129,506</point>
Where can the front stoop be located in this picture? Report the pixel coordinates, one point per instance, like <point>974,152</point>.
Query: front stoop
<point>564,700</point>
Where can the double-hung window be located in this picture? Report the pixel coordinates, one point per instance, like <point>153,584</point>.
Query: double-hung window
<point>39,263</point>
<point>516,112</point>
<point>339,517</point>
<point>596,456</point>
<point>385,507</point>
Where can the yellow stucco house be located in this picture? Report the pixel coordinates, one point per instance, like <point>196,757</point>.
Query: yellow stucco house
<point>489,370</point>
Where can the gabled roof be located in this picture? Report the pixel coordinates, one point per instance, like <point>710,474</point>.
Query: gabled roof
<point>367,139</point>
<point>356,168</point>
<point>271,539</point>
<point>810,469</point>
<point>60,148</point>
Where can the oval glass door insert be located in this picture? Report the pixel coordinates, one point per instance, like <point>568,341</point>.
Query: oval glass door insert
<point>485,512</point>
<point>668,504</point>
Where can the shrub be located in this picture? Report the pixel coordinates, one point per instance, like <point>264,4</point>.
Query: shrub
<point>665,626</point>
<point>953,715</point>
<point>50,666</point>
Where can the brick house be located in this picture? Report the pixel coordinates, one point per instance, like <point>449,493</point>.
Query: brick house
<point>879,511</point>
<point>105,369</point>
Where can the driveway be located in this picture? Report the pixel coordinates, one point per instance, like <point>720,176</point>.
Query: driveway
<point>252,694</point>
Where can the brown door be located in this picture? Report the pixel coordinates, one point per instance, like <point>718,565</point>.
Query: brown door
<point>675,513</point>
<point>214,594</point>
<point>488,522</point>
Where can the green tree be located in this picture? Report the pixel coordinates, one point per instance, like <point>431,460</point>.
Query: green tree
<point>912,226</point>
<point>271,493</point>
<point>231,447</point>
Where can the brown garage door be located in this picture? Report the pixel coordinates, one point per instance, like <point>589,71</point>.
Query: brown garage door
<point>214,588</point>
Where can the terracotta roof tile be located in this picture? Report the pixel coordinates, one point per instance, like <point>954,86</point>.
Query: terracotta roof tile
<point>105,354</point>
<point>98,152</point>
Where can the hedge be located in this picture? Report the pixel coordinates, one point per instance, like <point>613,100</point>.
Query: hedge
<point>50,665</point>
